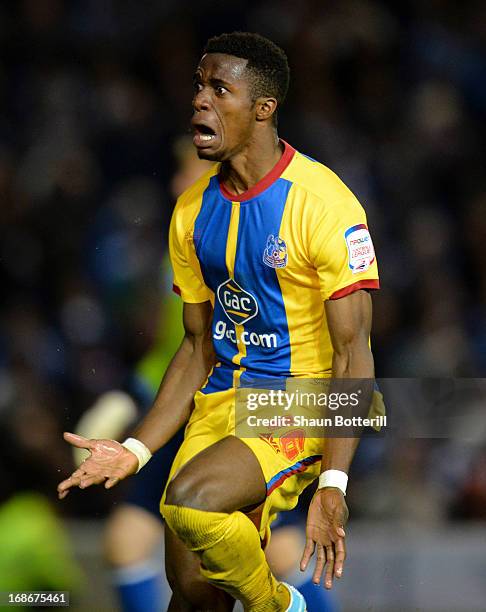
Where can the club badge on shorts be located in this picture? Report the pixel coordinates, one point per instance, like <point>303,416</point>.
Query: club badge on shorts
<point>275,253</point>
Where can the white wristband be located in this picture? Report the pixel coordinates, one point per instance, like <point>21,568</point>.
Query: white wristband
<point>333,478</point>
<point>140,451</point>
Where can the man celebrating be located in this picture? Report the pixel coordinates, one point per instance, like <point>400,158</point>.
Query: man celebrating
<point>273,260</point>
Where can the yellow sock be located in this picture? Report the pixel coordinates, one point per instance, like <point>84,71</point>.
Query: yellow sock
<point>231,556</point>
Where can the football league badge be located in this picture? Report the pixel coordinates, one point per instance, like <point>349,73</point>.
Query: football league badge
<point>275,253</point>
<point>361,253</point>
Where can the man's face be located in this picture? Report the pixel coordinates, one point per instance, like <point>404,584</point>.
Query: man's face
<point>224,118</point>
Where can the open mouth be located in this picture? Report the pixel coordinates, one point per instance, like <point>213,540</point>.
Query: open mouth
<point>203,134</point>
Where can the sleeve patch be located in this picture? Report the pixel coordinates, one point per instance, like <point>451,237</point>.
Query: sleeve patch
<point>361,252</point>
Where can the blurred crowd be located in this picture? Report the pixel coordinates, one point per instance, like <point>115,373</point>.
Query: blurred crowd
<point>93,95</point>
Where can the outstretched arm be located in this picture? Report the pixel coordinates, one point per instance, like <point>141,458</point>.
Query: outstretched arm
<point>349,322</point>
<point>109,461</point>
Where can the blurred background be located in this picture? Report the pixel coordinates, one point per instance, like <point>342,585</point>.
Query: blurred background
<point>94,95</point>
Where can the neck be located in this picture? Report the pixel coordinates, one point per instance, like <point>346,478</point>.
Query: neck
<point>251,164</point>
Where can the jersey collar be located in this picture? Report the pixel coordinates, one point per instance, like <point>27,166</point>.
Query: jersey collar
<point>266,181</point>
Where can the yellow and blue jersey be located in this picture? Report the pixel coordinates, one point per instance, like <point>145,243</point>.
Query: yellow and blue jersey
<point>267,260</point>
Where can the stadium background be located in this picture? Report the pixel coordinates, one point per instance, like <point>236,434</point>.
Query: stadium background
<point>392,96</point>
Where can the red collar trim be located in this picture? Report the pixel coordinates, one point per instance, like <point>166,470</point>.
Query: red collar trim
<point>266,181</point>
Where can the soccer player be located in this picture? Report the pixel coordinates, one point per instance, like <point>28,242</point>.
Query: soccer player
<point>274,262</point>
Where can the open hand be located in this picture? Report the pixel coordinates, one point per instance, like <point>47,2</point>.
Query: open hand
<point>109,462</point>
<point>326,518</point>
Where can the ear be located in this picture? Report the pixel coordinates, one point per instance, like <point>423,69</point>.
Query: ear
<point>265,107</point>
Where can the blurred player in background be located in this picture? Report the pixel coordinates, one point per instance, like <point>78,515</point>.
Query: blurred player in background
<point>276,228</point>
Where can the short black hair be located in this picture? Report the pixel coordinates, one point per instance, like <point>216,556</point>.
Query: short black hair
<point>267,66</point>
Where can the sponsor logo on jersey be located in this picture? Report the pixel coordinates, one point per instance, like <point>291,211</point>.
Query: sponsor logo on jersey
<point>361,253</point>
<point>238,305</point>
<point>223,331</point>
<point>275,253</point>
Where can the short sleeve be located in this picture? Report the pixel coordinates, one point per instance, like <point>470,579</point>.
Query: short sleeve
<point>188,279</point>
<point>341,250</point>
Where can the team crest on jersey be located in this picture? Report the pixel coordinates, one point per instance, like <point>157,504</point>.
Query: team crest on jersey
<point>361,253</point>
<point>239,305</point>
<point>275,253</point>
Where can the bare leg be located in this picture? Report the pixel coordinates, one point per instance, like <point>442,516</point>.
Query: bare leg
<point>222,478</point>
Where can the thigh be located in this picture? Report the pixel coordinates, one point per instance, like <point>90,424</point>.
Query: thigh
<point>208,424</point>
<point>190,591</point>
<point>224,477</point>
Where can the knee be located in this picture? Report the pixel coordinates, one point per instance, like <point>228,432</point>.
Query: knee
<point>191,492</point>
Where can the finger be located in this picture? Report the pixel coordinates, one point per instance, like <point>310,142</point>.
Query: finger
<point>78,441</point>
<point>64,487</point>
<point>337,531</point>
<point>340,547</point>
<point>76,477</point>
<point>308,552</point>
<point>320,563</point>
<point>79,473</point>
<point>329,567</point>
<point>72,481</point>
<point>115,478</point>
<point>87,481</point>
<point>111,482</point>
<point>62,494</point>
